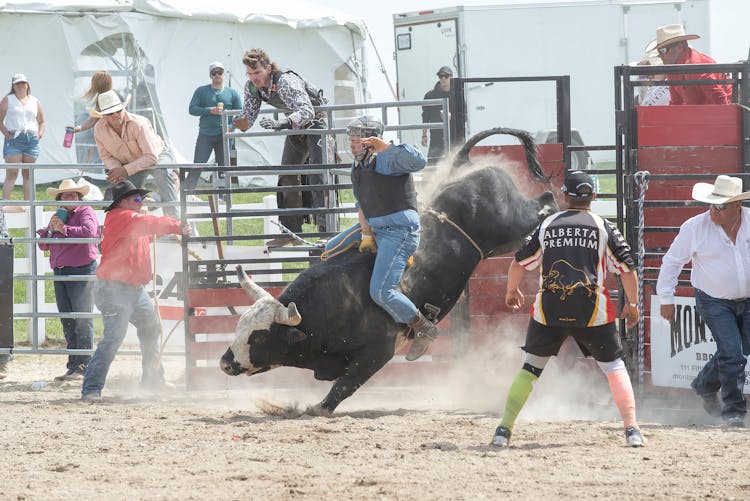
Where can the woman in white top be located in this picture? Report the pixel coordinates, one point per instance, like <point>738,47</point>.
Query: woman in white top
<point>22,124</point>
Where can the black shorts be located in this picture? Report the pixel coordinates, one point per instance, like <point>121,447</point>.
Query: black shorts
<point>601,342</point>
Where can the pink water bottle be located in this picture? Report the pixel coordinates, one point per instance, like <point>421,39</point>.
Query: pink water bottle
<point>68,141</point>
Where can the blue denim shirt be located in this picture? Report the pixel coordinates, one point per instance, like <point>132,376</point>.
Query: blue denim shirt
<point>395,161</point>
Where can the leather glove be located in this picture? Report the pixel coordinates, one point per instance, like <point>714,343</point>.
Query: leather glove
<point>367,244</point>
<point>241,123</point>
<point>270,123</point>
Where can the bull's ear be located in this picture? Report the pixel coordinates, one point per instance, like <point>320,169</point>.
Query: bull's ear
<point>295,335</point>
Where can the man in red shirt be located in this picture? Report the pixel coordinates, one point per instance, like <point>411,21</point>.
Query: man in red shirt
<point>119,292</point>
<point>671,43</point>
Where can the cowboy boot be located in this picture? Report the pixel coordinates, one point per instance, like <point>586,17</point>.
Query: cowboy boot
<point>425,333</point>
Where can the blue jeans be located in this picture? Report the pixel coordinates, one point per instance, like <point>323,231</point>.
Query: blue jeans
<point>25,143</point>
<point>395,245</point>
<point>729,322</point>
<point>122,303</point>
<point>204,145</point>
<point>76,297</point>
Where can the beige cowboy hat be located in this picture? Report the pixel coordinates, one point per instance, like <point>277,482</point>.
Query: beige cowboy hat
<point>68,186</point>
<point>724,190</point>
<point>671,33</point>
<point>94,113</point>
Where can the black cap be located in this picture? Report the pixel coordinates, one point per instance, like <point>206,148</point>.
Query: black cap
<point>121,190</point>
<point>578,184</point>
<point>445,71</point>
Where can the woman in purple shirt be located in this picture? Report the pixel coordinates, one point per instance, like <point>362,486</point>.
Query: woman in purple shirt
<point>73,259</point>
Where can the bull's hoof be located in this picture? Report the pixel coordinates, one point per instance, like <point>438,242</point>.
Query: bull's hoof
<point>318,410</point>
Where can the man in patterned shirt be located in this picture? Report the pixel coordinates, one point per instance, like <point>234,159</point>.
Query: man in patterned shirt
<point>575,248</point>
<point>285,89</point>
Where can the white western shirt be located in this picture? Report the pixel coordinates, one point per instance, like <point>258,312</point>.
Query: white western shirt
<point>721,268</point>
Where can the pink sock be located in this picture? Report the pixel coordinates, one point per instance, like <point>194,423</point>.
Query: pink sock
<point>622,394</point>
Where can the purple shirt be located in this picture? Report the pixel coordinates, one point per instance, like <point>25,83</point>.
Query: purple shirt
<point>81,223</point>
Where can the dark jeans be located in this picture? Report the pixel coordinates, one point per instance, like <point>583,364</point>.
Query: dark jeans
<point>76,297</point>
<point>297,150</point>
<point>204,145</point>
<point>729,322</point>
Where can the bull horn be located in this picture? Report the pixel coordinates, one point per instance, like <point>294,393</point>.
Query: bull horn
<point>253,290</point>
<point>288,316</point>
<point>529,146</point>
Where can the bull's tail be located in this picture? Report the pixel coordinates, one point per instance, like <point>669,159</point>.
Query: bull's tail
<point>529,146</point>
<point>253,290</point>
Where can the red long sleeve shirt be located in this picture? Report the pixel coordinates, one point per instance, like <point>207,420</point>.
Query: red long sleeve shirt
<point>126,239</point>
<point>698,94</point>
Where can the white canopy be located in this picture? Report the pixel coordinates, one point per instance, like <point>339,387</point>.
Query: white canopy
<point>160,51</point>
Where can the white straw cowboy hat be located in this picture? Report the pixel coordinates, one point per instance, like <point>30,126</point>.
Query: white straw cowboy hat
<point>69,186</point>
<point>671,33</point>
<point>109,102</point>
<point>724,190</point>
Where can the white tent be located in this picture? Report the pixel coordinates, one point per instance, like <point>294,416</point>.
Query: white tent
<point>159,52</point>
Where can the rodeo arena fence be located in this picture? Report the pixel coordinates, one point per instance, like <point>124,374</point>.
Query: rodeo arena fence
<point>659,152</point>
<point>202,289</point>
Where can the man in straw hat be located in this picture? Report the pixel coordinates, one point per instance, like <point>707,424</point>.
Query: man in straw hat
<point>77,259</point>
<point>672,46</point>
<point>129,148</point>
<point>119,291</point>
<point>716,241</point>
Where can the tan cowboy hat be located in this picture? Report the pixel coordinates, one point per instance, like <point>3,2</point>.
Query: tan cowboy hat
<point>68,186</point>
<point>93,113</point>
<point>724,190</point>
<point>671,33</point>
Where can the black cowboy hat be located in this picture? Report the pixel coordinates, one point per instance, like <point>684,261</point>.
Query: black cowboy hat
<point>121,190</point>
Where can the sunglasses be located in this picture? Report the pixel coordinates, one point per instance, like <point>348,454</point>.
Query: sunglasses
<point>214,73</point>
<point>664,50</point>
<point>719,207</point>
<point>443,76</point>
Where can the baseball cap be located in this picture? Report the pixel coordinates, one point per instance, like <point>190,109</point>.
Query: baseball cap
<point>214,65</point>
<point>444,70</point>
<point>19,77</point>
<point>578,184</point>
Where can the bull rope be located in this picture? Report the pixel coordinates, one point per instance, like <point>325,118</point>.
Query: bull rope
<point>443,218</point>
<point>641,182</point>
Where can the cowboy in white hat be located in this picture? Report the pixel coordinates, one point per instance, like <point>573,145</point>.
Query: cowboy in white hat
<point>672,46</point>
<point>716,241</point>
<point>78,259</point>
<point>129,148</point>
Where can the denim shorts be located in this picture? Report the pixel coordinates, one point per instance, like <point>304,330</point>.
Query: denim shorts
<point>25,143</point>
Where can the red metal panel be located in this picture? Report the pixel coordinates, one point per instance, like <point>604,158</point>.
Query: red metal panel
<point>218,297</point>
<point>689,125</point>
<point>213,324</point>
<point>689,159</point>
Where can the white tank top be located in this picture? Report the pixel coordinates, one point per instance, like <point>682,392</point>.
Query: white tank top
<point>21,116</point>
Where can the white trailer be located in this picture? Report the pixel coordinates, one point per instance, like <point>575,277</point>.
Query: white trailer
<point>583,39</point>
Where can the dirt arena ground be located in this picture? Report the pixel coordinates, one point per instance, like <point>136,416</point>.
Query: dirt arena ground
<point>389,441</point>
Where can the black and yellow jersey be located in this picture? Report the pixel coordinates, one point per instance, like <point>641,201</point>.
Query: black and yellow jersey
<point>575,249</point>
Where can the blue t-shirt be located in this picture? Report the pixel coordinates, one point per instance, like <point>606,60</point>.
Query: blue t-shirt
<point>206,97</point>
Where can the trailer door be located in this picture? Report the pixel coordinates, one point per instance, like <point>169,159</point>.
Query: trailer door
<point>421,49</point>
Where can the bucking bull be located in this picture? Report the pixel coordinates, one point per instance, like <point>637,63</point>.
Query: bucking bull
<point>326,321</point>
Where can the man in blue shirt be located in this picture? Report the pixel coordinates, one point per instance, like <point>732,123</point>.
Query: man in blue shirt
<point>388,221</point>
<point>208,102</point>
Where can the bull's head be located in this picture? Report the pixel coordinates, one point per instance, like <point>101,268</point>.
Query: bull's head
<point>253,345</point>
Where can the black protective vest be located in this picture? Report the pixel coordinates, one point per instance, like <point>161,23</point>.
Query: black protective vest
<point>315,94</point>
<point>380,195</point>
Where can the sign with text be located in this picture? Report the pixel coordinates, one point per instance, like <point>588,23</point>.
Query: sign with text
<point>679,351</point>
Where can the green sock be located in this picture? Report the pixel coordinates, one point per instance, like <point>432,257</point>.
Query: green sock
<point>517,395</point>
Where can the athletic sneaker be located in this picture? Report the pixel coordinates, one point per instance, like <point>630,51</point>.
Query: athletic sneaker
<point>502,437</point>
<point>633,437</point>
